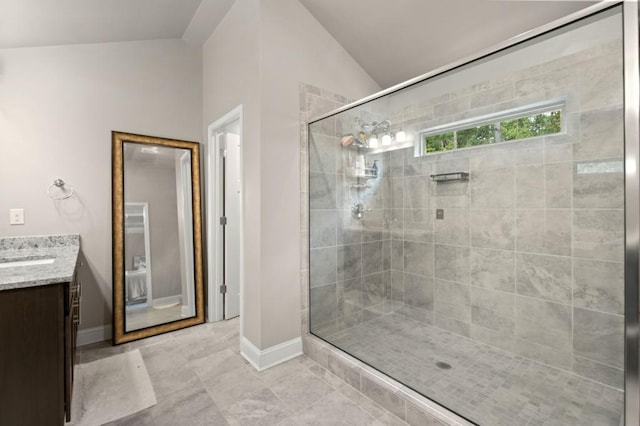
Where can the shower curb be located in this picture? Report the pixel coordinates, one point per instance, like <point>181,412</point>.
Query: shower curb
<point>403,402</point>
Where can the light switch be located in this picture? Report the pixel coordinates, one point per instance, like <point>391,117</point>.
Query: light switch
<point>16,216</point>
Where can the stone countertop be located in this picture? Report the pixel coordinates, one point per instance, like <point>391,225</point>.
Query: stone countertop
<point>64,249</point>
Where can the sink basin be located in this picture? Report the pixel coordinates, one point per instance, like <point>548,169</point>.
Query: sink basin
<point>27,262</point>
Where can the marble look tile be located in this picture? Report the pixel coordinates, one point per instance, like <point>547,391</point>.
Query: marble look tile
<point>322,266</point>
<point>416,166</point>
<point>451,107</point>
<point>492,96</point>
<point>598,285</point>
<point>322,153</point>
<point>394,219</point>
<point>453,325</point>
<point>141,418</point>
<point>425,316</point>
<point>601,83</point>
<point>560,149</point>
<point>323,228</point>
<point>418,258</point>
<point>493,269</point>
<point>541,83</point>
<point>417,192</point>
<point>545,323</point>
<point>349,261</point>
<point>598,184</point>
<point>530,187</point>
<point>397,286</point>
<point>349,230</point>
<point>452,263</point>
<point>492,188</point>
<point>544,231</point>
<point>418,225</point>
<point>599,372</point>
<point>343,369</point>
<point>396,197</point>
<point>397,255</point>
<point>601,134</point>
<point>350,292</point>
<point>452,300</point>
<point>396,164</point>
<point>259,408</point>
<point>322,191</point>
<point>493,338</point>
<point>334,409</point>
<point>558,184</point>
<point>372,258</point>
<point>373,289</point>
<point>544,277</point>
<point>300,391</point>
<point>599,234</point>
<point>418,417</point>
<point>492,229</point>
<point>492,309</point>
<point>599,337</point>
<point>191,406</point>
<point>529,153</point>
<point>454,228</point>
<point>418,291</point>
<point>543,353</point>
<point>382,395</point>
<point>323,304</point>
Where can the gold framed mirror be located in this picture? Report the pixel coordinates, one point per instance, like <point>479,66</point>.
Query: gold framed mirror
<point>157,236</point>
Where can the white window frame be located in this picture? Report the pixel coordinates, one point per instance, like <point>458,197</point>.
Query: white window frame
<point>494,118</point>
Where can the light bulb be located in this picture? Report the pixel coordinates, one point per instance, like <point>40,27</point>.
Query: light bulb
<point>373,142</point>
<point>386,139</point>
<point>401,136</point>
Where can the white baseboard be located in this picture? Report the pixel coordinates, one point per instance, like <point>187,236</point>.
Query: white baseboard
<point>167,300</point>
<point>93,335</point>
<point>186,311</point>
<point>270,357</point>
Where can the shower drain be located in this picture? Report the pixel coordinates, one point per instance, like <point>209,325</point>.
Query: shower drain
<point>443,365</point>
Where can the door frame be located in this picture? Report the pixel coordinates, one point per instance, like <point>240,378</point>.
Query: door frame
<point>215,308</point>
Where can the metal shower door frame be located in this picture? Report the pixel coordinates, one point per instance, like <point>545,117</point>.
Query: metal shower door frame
<point>631,52</point>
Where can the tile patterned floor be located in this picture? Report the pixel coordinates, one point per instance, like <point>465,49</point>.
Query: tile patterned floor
<point>487,385</point>
<point>199,378</point>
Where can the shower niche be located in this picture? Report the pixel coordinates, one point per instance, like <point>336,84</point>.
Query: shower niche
<point>476,220</point>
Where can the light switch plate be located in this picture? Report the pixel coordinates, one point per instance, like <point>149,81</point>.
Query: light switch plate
<point>16,216</point>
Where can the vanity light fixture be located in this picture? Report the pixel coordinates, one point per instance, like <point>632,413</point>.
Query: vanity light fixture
<point>386,139</point>
<point>373,141</point>
<point>401,136</point>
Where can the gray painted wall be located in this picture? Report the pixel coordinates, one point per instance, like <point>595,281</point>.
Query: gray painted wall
<point>58,108</point>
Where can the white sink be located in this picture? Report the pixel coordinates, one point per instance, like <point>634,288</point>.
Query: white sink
<point>30,262</point>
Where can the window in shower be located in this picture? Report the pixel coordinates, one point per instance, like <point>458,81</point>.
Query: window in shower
<point>515,124</point>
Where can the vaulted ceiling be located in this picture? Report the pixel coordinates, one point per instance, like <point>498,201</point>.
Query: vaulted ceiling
<point>393,40</point>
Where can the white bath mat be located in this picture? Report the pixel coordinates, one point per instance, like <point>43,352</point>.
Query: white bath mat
<point>110,388</point>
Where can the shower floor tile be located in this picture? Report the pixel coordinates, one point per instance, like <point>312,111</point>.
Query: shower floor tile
<point>487,385</point>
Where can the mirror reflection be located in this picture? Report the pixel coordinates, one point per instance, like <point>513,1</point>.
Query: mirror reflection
<point>157,236</point>
<point>158,241</point>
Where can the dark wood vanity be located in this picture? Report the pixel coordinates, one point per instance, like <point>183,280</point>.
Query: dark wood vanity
<point>38,329</point>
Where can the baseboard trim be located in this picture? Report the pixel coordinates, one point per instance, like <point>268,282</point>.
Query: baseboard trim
<point>166,301</point>
<point>270,357</point>
<point>88,336</point>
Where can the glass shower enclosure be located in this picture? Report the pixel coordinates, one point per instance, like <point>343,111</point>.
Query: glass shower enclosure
<point>467,231</point>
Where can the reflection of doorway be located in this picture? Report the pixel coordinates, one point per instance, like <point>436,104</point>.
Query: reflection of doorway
<point>224,198</point>
<point>185,224</point>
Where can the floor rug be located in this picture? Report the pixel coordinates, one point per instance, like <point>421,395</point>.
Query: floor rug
<point>110,388</point>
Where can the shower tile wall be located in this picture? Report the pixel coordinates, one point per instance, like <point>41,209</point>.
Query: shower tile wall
<point>529,255</point>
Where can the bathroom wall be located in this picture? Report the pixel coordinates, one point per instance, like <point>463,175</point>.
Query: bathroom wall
<point>263,50</point>
<point>58,106</point>
<point>528,257</point>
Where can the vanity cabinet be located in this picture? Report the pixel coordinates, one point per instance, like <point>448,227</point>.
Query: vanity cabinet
<point>38,329</point>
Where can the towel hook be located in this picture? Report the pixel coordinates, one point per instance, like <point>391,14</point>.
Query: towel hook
<point>59,183</point>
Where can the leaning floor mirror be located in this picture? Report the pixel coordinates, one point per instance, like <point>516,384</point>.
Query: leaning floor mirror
<point>157,236</point>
